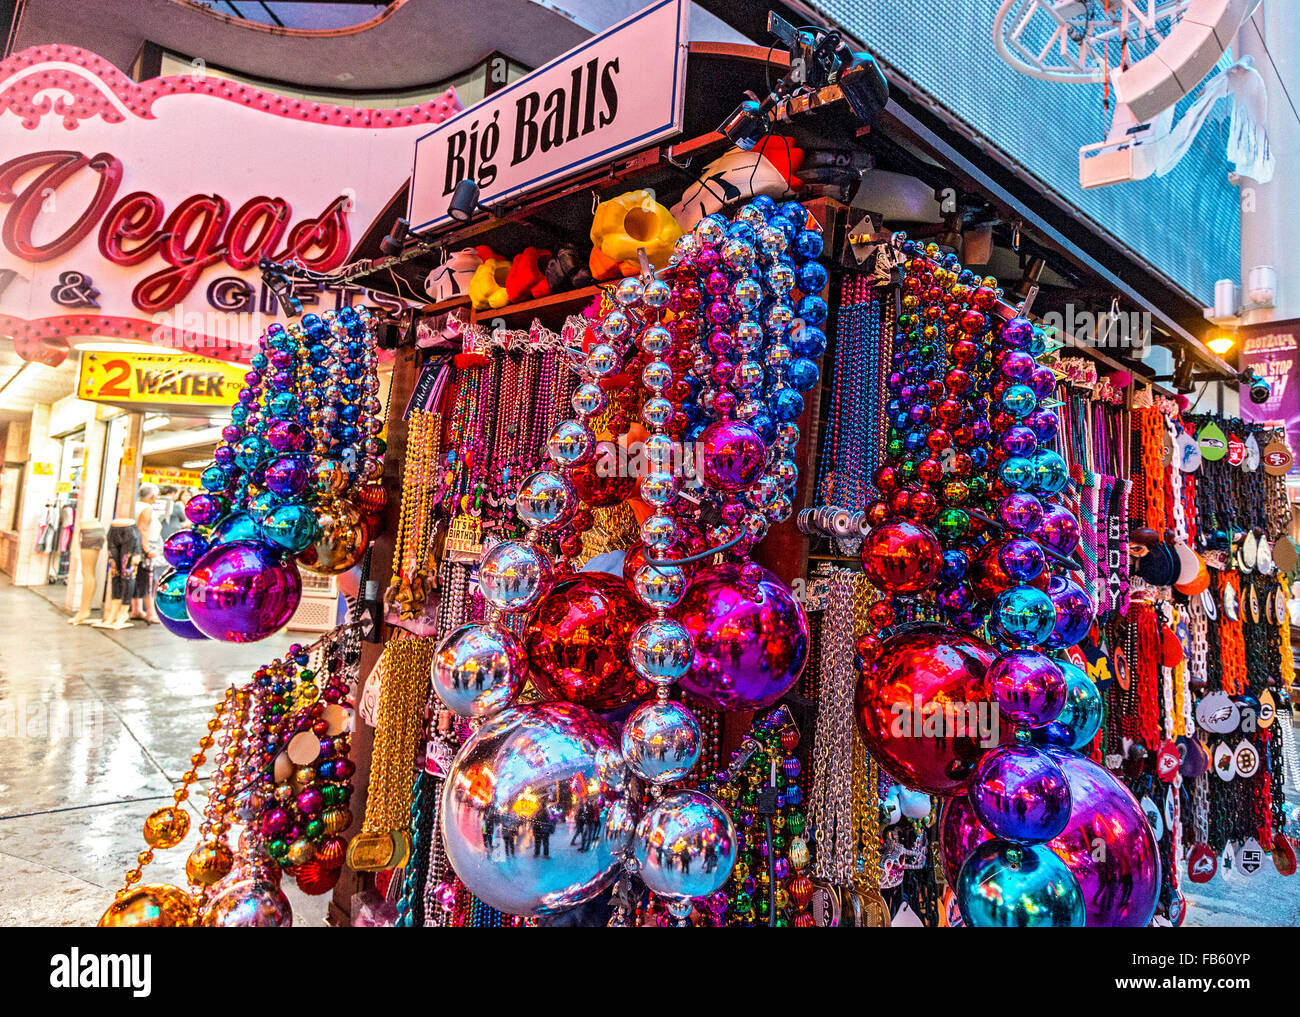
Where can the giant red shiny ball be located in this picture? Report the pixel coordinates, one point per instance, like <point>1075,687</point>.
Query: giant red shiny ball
<point>926,709</point>
<point>605,479</point>
<point>902,557</point>
<point>578,639</point>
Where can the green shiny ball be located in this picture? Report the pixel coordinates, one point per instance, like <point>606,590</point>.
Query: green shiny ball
<point>315,829</point>
<point>951,524</point>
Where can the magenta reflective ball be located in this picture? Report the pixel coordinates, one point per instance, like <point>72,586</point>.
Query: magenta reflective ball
<point>241,592</point>
<point>751,637</point>
<point>730,454</point>
<point>1108,845</point>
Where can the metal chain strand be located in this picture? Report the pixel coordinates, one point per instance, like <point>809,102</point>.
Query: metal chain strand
<point>831,810</point>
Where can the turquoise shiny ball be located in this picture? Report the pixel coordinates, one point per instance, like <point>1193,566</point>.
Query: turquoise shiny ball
<point>169,598</point>
<point>234,526</point>
<point>1015,886</point>
<point>292,527</point>
<point>1022,615</point>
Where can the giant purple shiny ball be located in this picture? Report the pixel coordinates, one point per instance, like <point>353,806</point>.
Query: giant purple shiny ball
<point>1073,613</point>
<point>241,592</point>
<point>730,454</point>
<point>1059,530</point>
<point>1028,687</point>
<point>751,638</point>
<point>1020,794</point>
<point>1108,845</point>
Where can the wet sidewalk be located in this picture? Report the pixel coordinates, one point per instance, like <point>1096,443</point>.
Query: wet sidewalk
<point>96,728</point>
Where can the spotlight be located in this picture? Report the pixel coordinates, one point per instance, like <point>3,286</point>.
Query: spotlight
<point>464,200</point>
<point>864,86</point>
<point>1183,373</point>
<point>747,125</point>
<point>817,58</point>
<point>392,244</point>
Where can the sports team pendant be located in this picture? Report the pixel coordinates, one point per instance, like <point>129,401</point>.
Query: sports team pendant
<point>1225,761</point>
<point>1202,864</point>
<point>1230,609</point>
<point>1250,857</point>
<point>1253,602</point>
<point>1267,709</point>
<point>1264,560</point>
<point>1283,855</point>
<point>1246,760</point>
<point>371,852</point>
<point>1249,552</point>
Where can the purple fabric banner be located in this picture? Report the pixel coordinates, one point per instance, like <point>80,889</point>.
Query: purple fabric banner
<point>1271,349</point>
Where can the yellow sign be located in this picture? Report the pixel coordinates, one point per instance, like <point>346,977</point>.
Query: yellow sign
<point>161,477</point>
<point>158,379</point>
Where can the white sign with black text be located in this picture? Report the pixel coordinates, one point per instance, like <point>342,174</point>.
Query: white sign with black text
<point>616,92</point>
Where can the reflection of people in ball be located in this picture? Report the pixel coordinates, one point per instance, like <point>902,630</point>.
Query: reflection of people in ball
<point>710,857</point>
<point>509,830</point>
<point>489,824</point>
<point>543,826</point>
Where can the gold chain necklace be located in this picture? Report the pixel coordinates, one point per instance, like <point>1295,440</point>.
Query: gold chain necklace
<point>403,673</point>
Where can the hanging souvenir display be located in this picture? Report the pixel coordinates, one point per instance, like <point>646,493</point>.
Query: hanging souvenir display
<point>282,774</point>
<point>1032,676</point>
<point>293,483</point>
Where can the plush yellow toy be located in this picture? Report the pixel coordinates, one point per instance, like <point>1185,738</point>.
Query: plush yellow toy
<point>487,289</point>
<point>621,225</point>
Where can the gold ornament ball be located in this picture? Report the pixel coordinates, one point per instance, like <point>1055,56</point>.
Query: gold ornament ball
<point>344,537</point>
<point>301,851</point>
<point>337,818</point>
<point>166,827</point>
<point>208,863</point>
<point>328,478</point>
<point>150,907</point>
<point>304,775</point>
